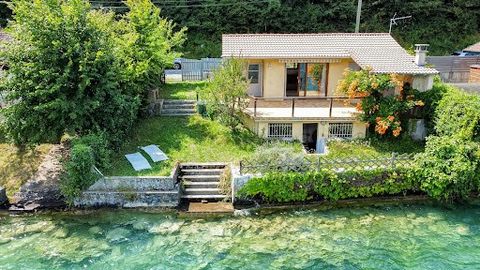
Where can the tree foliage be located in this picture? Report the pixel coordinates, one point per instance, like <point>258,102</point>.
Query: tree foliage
<point>446,25</point>
<point>147,45</point>
<point>226,94</point>
<point>63,73</point>
<point>76,70</point>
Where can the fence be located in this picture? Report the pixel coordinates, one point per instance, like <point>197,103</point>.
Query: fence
<point>198,70</point>
<point>321,162</point>
<point>453,69</point>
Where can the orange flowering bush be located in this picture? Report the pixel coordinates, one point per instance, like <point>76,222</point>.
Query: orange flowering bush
<point>382,111</point>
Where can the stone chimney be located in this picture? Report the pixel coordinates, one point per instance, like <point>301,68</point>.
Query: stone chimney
<point>421,54</point>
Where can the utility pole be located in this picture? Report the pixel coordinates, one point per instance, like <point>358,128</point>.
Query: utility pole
<point>394,19</point>
<point>359,12</point>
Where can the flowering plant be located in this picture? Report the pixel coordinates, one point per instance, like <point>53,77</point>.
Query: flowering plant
<point>383,99</point>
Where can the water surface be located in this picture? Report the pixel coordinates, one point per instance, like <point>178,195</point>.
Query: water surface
<point>383,237</point>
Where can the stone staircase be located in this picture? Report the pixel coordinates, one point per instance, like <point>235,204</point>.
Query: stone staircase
<point>173,107</point>
<point>201,181</point>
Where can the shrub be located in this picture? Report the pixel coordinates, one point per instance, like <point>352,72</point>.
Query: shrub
<point>299,187</point>
<point>79,173</point>
<point>277,155</point>
<point>226,94</point>
<point>458,114</point>
<point>449,168</point>
<point>100,147</point>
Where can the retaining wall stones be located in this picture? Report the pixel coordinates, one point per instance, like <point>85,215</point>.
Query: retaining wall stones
<point>132,191</point>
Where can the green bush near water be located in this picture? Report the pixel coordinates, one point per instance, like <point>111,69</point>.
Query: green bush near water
<point>79,173</point>
<point>328,185</point>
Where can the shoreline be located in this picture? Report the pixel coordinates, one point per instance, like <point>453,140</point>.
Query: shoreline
<point>262,209</point>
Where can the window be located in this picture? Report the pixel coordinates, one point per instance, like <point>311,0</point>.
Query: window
<point>280,130</point>
<point>253,72</point>
<point>340,130</point>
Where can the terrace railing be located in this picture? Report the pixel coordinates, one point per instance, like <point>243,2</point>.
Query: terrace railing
<point>313,164</point>
<point>329,102</point>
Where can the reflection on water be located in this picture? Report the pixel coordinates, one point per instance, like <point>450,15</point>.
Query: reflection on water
<point>386,237</point>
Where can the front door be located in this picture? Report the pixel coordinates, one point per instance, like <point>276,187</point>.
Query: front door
<point>255,76</point>
<point>310,131</point>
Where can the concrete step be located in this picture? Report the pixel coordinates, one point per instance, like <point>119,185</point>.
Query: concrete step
<point>212,165</point>
<point>202,171</point>
<point>200,178</point>
<point>178,101</point>
<point>202,191</point>
<point>177,111</point>
<point>178,114</point>
<point>204,197</point>
<point>196,184</point>
<point>178,106</point>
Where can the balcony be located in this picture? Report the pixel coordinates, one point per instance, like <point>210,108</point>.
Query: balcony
<point>314,108</point>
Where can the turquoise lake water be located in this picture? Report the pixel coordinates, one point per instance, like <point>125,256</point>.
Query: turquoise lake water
<point>382,237</point>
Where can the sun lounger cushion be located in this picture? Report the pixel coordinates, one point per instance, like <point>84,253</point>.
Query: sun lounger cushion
<point>155,153</point>
<point>138,161</point>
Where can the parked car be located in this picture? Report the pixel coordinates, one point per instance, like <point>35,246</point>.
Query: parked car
<point>462,53</point>
<point>177,63</point>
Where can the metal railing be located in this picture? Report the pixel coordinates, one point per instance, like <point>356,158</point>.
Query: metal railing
<point>294,100</point>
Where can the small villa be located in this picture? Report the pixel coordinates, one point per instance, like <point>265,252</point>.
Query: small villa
<point>294,78</point>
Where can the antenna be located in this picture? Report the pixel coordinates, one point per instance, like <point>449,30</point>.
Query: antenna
<point>394,19</point>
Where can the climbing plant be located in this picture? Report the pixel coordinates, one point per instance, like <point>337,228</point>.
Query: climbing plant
<point>383,99</point>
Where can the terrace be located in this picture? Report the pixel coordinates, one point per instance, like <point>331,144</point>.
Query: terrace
<point>314,108</point>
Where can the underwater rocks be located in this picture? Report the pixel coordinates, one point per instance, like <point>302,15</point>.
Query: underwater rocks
<point>43,190</point>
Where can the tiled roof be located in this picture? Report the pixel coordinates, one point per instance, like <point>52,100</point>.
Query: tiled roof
<point>473,48</point>
<point>377,50</point>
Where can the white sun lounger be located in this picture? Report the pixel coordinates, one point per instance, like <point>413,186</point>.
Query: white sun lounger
<point>138,161</point>
<point>155,153</point>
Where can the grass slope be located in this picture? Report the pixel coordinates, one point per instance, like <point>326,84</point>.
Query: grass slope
<point>184,139</point>
<point>16,167</point>
<point>181,90</point>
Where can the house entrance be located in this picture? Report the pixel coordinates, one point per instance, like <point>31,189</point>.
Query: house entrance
<point>310,137</point>
<point>292,80</point>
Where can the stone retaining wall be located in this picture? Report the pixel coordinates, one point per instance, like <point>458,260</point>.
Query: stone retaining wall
<point>132,191</point>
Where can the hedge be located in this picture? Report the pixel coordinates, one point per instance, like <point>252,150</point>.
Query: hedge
<point>328,185</point>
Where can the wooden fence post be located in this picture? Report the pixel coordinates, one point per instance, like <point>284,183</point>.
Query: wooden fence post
<point>241,165</point>
<point>255,108</point>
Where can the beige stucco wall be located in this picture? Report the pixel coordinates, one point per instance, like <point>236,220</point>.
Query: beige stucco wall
<point>335,74</point>
<point>261,128</point>
<point>273,78</point>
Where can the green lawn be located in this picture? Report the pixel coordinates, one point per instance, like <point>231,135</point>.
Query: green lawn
<point>185,139</point>
<point>373,147</point>
<point>181,90</point>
